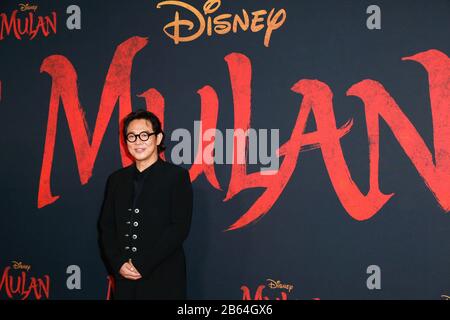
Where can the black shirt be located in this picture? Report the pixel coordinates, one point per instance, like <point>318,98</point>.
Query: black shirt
<point>139,178</point>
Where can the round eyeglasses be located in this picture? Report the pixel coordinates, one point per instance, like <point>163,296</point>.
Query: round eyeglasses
<point>143,136</point>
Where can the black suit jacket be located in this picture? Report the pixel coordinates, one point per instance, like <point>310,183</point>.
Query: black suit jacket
<point>151,233</point>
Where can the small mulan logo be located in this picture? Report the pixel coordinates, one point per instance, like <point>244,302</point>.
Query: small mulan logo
<point>17,283</point>
<point>24,22</point>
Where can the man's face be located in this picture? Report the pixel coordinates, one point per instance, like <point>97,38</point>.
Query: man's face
<point>142,150</point>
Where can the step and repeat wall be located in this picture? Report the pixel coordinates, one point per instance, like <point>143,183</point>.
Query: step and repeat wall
<point>316,134</point>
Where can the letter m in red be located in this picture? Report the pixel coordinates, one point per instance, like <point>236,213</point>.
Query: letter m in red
<point>116,90</point>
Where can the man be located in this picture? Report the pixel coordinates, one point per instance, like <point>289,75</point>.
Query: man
<point>146,216</point>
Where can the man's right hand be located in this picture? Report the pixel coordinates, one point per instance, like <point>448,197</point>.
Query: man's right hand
<point>129,272</point>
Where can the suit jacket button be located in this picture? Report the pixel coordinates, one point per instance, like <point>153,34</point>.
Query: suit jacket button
<point>134,249</point>
<point>136,210</point>
<point>135,224</point>
<point>134,236</point>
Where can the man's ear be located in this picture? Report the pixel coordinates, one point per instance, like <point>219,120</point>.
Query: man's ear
<point>159,138</point>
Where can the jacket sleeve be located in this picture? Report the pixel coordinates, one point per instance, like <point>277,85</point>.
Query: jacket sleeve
<point>173,236</point>
<point>108,233</point>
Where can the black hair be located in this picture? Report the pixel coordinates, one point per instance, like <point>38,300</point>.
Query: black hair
<point>147,115</point>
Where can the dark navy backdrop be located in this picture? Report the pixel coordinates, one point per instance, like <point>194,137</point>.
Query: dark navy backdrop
<point>307,239</point>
